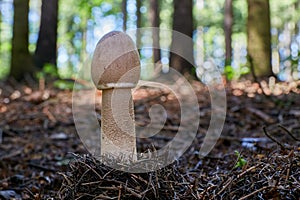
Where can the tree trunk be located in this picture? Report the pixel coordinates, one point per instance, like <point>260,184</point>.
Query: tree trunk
<point>124,12</point>
<point>228,21</point>
<point>155,21</point>
<point>138,23</point>
<point>183,23</point>
<point>46,50</point>
<point>21,63</point>
<point>259,38</point>
<point>84,53</point>
<point>0,25</point>
<point>296,6</point>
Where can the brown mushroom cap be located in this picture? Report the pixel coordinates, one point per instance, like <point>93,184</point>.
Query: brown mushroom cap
<point>115,60</point>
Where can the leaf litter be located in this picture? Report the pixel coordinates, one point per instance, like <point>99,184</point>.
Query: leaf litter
<point>41,156</point>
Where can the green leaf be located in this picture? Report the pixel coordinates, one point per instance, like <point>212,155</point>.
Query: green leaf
<point>241,162</point>
<point>229,73</point>
<point>63,85</point>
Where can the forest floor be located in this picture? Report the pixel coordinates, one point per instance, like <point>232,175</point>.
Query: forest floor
<point>256,157</point>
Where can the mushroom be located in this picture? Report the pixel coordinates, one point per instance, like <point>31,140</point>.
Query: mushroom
<point>115,71</point>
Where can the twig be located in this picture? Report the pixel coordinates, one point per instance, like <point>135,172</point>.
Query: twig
<point>289,133</point>
<point>133,192</point>
<point>130,190</point>
<point>91,183</point>
<point>228,182</point>
<point>288,173</point>
<point>101,196</point>
<point>120,192</point>
<point>42,167</point>
<point>206,190</point>
<point>261,114</point>
<point>30,193</point>
<point>13,154</point>
<point>274,140</point>
<point>65,178</point>
<point>81,177</point>
<point>238,177</point>
<point>247,170</point>
<point>100,177</point>
<point>253,193</point>
<point>49,114</point>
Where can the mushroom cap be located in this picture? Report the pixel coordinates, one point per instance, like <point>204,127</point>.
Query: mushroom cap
<point>115,61</point>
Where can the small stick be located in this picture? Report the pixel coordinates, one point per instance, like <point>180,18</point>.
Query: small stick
<point>230,180</point>
<point>274,140</point>
<point>261,114</point>
<point>289,133</point>
<point>255,192</point>
<point>227,183</point>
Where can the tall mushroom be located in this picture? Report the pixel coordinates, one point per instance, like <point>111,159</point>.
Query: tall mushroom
<point>115,71</point>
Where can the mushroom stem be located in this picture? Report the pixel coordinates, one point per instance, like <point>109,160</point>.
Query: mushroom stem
<point>115,70</point>
<point>117,124</point>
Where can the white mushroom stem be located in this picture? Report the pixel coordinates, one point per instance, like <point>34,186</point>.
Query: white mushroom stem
<point>115,70</point>
<point>117,124</point>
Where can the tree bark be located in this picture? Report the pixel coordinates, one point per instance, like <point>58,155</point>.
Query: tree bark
<point>297,24</point>
<point>46,50</point>
<point>138,22</point>
<point>183,23</point>
<point>124,12</point>
<point>259,38</point>
<point>0,25</point>
<point>21,63</point>
<point>228,21</point>
<point>155,21</point>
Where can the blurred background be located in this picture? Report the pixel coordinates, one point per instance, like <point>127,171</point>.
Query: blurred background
<point>56,38</point>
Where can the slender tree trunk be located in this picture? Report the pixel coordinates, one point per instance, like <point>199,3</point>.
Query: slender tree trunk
<point>138,22</point>
<point>0,25</point>
<point>84,53</point>
<point>46,50</point>
<point>183,23</point>
<point>228,21</point>
<point>297,23</point>
<point>155,21</point>
<point>21,63</point>
<point>124,12</point>
<point>259,38</point>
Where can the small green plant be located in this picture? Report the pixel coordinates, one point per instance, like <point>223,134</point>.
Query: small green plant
<point>48,71</point>
<point>229,72</point>
<point>232,73</point>
<point>63,84</point>
<point>241,162</point>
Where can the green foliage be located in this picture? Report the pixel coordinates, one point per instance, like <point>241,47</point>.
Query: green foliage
<point>77,21</point>
<point>232,74</point>
<point>229,72</point>
<point>166,12</point>
<point>63,84</point>
<point>80,21</point>
<point>210,15</point>
<point>240,14</point>
<point>294,60</point>
<point>4,70</point>
<point>49,71</point>
<point>283,12</point>
<point>241,162</point>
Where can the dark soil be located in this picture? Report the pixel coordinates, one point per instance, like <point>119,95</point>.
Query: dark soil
<point>256,157</point>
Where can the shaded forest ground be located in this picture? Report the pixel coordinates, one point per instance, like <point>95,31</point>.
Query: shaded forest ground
<point>39,140</point>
